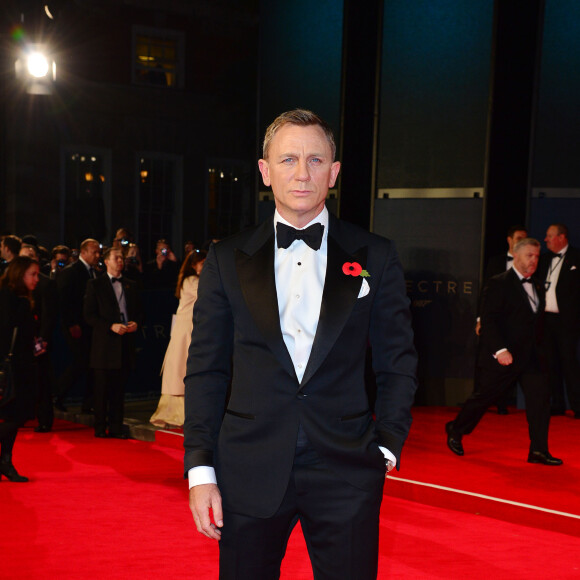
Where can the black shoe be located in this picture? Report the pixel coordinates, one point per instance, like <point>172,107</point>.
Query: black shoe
<point>101,434</point>
<point>502,410</point>
<point>544,458</point>
<point>555,411</point>
<point>42,429</point>
<point>453,443</point>
<point>9,471</point>
<point>577,415</point>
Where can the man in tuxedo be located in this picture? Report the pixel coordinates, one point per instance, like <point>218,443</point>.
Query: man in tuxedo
<point>511,349</point>
<point>112,307</point>
<point>496,265</point>
<point>280,332</point>
<point>560,271</point>
<point>71,283</point>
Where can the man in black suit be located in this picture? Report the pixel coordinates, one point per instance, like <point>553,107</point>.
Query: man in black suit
<point>511,349</point>
<point>112,307</point>
<point>280,333</point>
<point>560,270</point>
<point>71,283</point>
<point>496,265</point>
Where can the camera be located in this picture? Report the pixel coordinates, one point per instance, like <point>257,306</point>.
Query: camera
<point>60,264</point>
<point>124,242</point>
<point>164,251</point>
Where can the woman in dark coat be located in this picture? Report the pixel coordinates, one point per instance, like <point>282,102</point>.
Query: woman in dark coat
<point>16,285</point>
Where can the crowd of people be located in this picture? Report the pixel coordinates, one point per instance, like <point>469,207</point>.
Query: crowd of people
<point>94,293</point>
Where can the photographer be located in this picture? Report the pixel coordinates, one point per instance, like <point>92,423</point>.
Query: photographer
<point>162,271</point>
<point>133,268</point>
<point>60,258</point>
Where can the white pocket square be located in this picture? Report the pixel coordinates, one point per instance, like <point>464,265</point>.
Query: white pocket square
<point>364,289</point>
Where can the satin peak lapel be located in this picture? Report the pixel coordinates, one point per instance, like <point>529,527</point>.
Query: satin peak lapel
<point>255,269</point>
<point>338,299</point>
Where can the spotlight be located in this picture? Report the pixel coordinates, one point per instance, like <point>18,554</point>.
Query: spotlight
<point>36,69</point>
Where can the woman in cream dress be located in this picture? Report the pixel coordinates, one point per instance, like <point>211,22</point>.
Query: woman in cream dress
<point>170,411</point>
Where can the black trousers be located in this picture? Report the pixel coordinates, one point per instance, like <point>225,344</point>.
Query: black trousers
<point>110,399</point>
<point>340,525</point>
<point>492,384</point>
<point>562,343</point>
<point>78,368</point>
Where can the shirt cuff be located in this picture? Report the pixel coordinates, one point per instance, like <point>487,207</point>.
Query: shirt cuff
<point>499,352</point>
<point>388,456</point>
<point>201,475</point>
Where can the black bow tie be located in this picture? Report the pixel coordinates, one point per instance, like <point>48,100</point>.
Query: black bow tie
<point>113,280</point>
<point>526,281</point>
<point>555,255</point>
<point>312,235</point>
<point>509,258</point>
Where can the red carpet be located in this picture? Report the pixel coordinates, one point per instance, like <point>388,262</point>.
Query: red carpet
<point>118,509</point>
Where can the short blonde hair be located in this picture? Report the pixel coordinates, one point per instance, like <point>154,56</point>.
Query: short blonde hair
<point>302,118</point>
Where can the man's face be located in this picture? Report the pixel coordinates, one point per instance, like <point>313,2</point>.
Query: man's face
<point>555,241</point>
<point>162,249</point>
<point>4,251</point>
<point>300,170</point>
<point>526,260</point>
<point>115,263</point>
<point>61,258</point>
<point>513,240</point>
<point>91,254</point>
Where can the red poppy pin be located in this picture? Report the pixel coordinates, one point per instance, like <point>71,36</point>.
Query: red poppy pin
<point>354,269</point>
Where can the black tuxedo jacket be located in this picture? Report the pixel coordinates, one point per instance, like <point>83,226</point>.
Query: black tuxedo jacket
<point>509,321</point>
<point>46,307</point>
<point>71,283</point>
<point>567,288</point>
<point>237,347</point>
<point>101,310</point>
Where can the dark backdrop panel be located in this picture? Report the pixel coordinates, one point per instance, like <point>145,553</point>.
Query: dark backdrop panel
<point>557,148</point>
<point>300,59</point>
<point>434,93</point>
<point>439,244</point>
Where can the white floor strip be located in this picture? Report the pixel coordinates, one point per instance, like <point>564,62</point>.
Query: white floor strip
<point>170,432</point>
<point>488,497</point>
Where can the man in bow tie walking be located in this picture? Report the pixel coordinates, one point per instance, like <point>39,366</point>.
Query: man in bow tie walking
<point>559,269</point>
<point>281,326</point>
<point>511,349</point>
<point>112,306</point>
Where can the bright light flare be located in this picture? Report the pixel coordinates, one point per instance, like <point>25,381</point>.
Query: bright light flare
<point>37,65</point>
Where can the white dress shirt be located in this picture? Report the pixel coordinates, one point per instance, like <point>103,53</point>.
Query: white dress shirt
<point>552,278</point>
<point>120,294</point>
